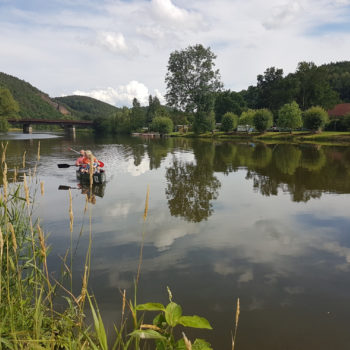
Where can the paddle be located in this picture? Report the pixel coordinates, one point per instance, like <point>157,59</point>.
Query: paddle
<point>65,165</point>
<point>63,187</point>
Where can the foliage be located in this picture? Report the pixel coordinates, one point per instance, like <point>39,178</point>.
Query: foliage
<point>137,116</point>
<point>4,125</point>
<point>247,118</point>
<point>32,102</point>
<point>228,101</point>
<point>162,329</point>
<point>153,109</point>
<point>87,108</point>
<point>229,121</point>
<point>274,90</point>
<point>191,79</point>
<point>339,78</point>
<point>315,118</point>
<point>120,122</point>
<point>203,121</point>
<point>289,116</point>
<point>262,120</point>
<point>314,87</point>
<point>163,125</point>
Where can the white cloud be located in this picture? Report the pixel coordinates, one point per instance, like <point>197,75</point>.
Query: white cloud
<point>114,42</point>
<point>122,95</point>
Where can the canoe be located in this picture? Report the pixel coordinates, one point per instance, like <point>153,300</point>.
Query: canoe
<point>97,178</point>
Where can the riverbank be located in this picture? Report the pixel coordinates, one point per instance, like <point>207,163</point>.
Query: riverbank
<point>299,136</point>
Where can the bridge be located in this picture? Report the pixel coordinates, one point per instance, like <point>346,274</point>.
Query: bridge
<point>67,125</point>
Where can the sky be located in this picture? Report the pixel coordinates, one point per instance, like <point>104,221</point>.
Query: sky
<point>116,50</point>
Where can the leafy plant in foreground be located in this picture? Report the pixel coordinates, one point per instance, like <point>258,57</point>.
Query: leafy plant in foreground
<point>162,329</point>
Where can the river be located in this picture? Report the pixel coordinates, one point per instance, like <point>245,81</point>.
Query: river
<point>266,223</point>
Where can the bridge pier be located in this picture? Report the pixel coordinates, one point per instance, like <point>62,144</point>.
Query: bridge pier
<point>69,130</point>
<point>27,129</point>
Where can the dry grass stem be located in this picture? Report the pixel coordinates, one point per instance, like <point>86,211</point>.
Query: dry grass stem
<point>13,236</point>
<point>71,217</point>
<point>26,190</point>
<point>3,157</point>
<point>124,300</point>
<point>236,324</point>
<point>146,205</point>
<point>42,188</point>
<point>187,342</point>
<point>4,180</point>
<point>38,156</point>
<point>42,241</point>
<point>15,175</point>
<point>84,286</point>
<point>1,245</point>
<point>150,326</point>
<point>24,159</point>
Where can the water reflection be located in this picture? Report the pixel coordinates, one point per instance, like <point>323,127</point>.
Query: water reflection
<point>191,187</point>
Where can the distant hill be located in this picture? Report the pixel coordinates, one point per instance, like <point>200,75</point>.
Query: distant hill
<point>33,103</point>
<point>87,108</point>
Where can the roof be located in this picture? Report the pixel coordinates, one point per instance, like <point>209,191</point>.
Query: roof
<point>340,110</point>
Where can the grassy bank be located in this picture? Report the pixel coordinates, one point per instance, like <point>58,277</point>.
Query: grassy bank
<point>30,294</point>
<point>297,136</point>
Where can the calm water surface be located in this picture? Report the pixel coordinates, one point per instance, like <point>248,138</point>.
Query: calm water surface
<point>269,224</point>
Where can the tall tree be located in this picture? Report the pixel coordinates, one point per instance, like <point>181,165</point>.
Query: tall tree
<point>315,89</point>
<point>228,101</point>
<point>191,79</point>
<point>153,108</point>
<point>137,115</point>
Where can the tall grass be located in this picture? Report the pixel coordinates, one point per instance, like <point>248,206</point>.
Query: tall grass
<point>29,293</point>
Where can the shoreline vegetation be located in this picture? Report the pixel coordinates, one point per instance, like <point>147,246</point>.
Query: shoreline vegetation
<point>335,137</point>
<point>39,310</point>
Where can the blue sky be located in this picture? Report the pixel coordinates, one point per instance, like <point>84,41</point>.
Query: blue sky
<point>115,50</point>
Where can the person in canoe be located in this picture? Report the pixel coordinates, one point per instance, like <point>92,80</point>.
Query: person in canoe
<point>79,161</point>
<point>88,160</point>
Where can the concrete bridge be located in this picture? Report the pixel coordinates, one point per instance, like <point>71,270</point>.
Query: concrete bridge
<point>67,125</point>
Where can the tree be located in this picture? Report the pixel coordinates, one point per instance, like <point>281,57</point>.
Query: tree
<point>137,115</point>
<point>262,120</point>
<point>203,121</point>
<point>163,125</point>
<point>289,116</point>
<point>191,79</point>
<point>228,101</point>
<point>229,121</point>
<point>247,117</point>
<point>153,107</point>
<point>315,118</point>
<point>314,87</point>
<point>8,108</point>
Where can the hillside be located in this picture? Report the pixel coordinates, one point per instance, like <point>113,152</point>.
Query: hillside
<point>87,108</point>
<point>33,103</point>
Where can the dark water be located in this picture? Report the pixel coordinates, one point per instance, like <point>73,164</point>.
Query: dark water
<point>269,224</point>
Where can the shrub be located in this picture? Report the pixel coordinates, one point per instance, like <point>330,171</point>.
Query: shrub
<point>229,121</point>
<point>289,116</point>
<point>262,120</point>
<point>163,125</point>
<point>315,118</point>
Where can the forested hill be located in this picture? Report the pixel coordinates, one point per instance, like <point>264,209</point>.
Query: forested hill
<point>87,108</point>
<point>32,102</point>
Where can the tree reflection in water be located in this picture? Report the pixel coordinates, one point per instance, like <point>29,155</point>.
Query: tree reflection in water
<point>190,190</point>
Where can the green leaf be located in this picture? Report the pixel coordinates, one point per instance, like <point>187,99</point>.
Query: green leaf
<point>201,344</point>
<point>160,320</point>
<point>151,307</point>
<point>147,334</point>
<point>180,345</point>
<point>195,322</point>
<point>173,313</point>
